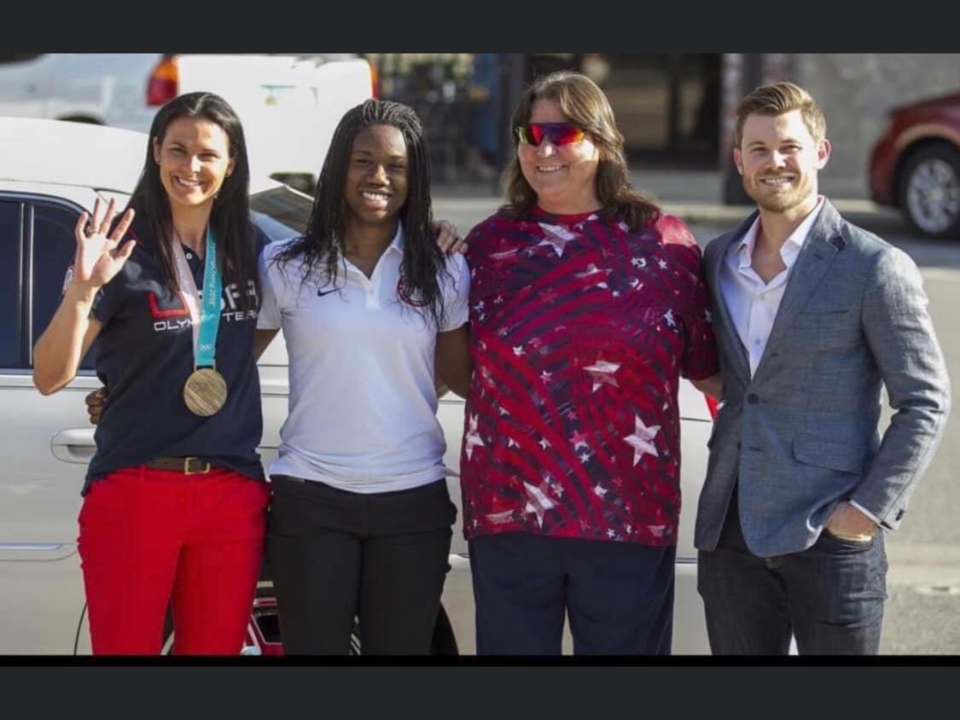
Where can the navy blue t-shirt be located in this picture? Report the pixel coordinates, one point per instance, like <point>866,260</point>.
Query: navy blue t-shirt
<point>146,355</point>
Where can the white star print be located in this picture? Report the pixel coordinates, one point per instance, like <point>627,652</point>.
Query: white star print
<point>512,443</point>
<point>518,351</point>
<point>501,517</point>
<point>584,457</point>
<point>504,255</point>
<point>579,440</point>
<point>603,372</point>
<point>546,376</point>
<point>473,438</point>
<point>641,440</point>
<point>662,263</point>
<point>556,237</point>
<point>599,491</point>
<point>544,443</point>
<point>593,270</point>
<point>537,502</point>
<point>668,317</point>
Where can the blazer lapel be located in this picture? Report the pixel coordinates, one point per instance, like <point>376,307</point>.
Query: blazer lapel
<point>818,253</point>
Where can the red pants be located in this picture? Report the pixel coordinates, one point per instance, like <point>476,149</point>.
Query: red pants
<point>149,537</point>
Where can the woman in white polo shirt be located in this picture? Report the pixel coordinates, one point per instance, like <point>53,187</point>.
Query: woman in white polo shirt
<point>369,304</point>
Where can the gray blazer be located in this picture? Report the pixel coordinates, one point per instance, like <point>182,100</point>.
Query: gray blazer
<point>802,434</point>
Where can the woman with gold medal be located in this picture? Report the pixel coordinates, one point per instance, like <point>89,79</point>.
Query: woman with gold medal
<point>175,501</point>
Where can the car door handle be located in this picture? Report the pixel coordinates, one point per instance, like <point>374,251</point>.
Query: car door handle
<point>74,446</point>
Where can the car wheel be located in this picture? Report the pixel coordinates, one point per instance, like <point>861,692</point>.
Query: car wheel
<point>930,191</point>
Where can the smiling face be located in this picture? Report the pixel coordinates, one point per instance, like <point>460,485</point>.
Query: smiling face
<point>562,176</point>
<point>779,159</point>
<point>378,178</point>
<point>194,160</point>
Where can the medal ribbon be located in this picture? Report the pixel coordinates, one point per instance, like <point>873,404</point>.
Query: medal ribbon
<point>205,311</point>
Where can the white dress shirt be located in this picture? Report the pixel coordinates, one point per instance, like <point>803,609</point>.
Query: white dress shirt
<point>752,303</point>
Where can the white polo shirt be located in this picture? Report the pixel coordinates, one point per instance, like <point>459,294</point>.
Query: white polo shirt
<point>363,404</point>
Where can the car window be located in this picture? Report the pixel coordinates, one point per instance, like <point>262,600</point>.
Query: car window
<point>54,247</point>
<point>9,283</point>
<point>272,229</point>
<point>281,212</point>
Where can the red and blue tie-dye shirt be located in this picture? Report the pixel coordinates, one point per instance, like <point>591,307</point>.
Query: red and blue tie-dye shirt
<point>580,331</point>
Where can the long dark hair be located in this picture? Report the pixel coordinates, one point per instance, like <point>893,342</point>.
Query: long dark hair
<point>230,217</point>
<point>584,104</point>
<point>321,248</point>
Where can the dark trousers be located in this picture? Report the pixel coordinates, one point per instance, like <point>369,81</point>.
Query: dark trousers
<point>830,596</point>
<point>618,596</point>
<point>337,555</point>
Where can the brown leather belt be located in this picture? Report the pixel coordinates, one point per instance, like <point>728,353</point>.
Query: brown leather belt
<point>186,465</point>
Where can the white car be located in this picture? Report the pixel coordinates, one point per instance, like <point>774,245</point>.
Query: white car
<point>50,172</point>
<point>289,104</point>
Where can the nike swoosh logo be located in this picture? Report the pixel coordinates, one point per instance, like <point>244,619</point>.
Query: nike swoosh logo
<point>321,293</point>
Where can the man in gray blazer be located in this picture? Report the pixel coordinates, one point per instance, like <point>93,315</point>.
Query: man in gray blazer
<point>812,316</point>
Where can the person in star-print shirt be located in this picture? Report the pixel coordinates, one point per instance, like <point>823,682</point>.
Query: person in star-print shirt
<point>587,304</point>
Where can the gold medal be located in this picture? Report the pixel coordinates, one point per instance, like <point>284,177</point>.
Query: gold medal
<point>205,392</point>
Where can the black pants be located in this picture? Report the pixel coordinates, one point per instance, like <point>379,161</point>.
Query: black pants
<point>829,596</point>
<point>617,596</point>
<point>338,555</point>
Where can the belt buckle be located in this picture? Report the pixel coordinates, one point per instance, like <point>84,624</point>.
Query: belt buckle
<point>188,471</point>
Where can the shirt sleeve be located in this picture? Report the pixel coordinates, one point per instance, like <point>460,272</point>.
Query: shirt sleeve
<point>866,512</point>
<point>457,293</point>
<point>700,350</point>
<point>108,300</point>
<point>270,305</point>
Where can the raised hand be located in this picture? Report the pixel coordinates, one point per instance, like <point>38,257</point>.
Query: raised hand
<point>98,257</point>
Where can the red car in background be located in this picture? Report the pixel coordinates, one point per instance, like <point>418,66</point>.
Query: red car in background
<point>915,165</point>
